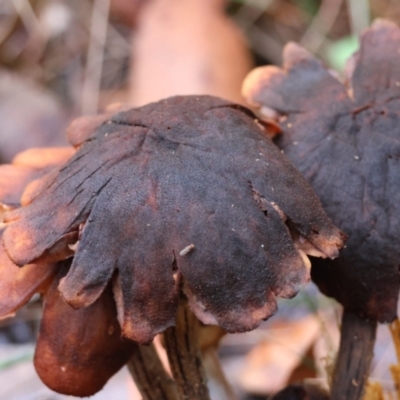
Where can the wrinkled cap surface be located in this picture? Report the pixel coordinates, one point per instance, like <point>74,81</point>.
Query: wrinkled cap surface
<point>77,350</point>
<point>18,285</point>
<point>345,139</point>
<point>28,166</point>
<point>188,190</point>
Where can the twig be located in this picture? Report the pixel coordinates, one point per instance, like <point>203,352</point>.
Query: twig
<point>321,25</point>
<point>251,10</point>
<point>95,56</point>
<point>359,14</point>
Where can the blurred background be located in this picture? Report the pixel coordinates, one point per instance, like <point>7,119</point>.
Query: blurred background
<point>60,59</point>
<point>63,58</point>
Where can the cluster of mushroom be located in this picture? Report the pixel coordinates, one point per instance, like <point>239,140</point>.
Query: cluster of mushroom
<point>184,198</point>
<point>344,138</point>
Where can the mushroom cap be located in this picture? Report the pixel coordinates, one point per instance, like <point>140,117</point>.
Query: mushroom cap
<point>77,350</point>
<point>28,166</point>
<point>189,190</point>
<point>18,285</point>
<point>344,138</point>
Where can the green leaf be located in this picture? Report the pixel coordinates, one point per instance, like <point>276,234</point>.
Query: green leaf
<point>339,51</point>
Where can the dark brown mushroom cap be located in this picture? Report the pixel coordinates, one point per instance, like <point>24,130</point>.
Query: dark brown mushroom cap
<point>151,182</point>
<point>345,139</point>
<point>77,350</point>
<point>26,167</point>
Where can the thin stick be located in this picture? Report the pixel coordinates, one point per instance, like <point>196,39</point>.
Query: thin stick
<point>182,344</point>
<point>150,376</point>
<point>359,15</point>
<point>95,56</point>
<point>354,358</point>
<point>317,32</point>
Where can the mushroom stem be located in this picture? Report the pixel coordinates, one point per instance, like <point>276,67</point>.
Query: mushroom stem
<point>354,358</point>
<point>217,382</point>
<point>150,376</point>
<point>182,345</point>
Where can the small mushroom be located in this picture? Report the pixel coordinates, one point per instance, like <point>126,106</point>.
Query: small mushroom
<point>186,194</point>
<point>344,138</point>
